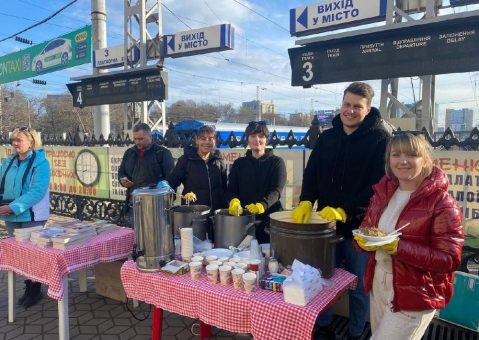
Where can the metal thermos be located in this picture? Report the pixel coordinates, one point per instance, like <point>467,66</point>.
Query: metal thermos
<point>154,245</point>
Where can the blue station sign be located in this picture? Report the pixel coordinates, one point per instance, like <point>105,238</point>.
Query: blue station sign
<point>199,41</point>
<point>335,14</point>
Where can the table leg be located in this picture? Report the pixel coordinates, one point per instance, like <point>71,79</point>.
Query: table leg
<point>157,323</point>
<point>82,280</point>
<point>11,296</point>
<point>63,322</point>
<point>205,330</point>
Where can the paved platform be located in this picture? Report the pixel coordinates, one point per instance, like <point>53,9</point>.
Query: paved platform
<point>95,317</point>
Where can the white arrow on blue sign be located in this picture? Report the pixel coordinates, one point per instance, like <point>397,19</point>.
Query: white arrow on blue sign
<point>334,14</point>
<point>199,41</point>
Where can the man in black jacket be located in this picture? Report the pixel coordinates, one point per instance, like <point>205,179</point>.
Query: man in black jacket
<point>344,164</point>
<point>144,164</point>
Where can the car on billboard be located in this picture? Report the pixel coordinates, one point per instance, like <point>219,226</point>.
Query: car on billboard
<point>56,52</point>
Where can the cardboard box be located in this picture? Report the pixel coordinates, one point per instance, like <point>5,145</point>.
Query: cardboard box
<point>108,281</point>
<point>463,309</point>
<point>272,282</point>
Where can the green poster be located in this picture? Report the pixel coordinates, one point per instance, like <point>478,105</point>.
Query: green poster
<point>65,51</point>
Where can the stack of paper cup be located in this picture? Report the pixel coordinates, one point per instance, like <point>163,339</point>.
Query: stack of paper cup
<point>237,274</point>
<point>186,243</point>
<point>249,281</point>
<point>225,275</point>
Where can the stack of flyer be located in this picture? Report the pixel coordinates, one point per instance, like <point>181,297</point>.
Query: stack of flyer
<point>73,238</point>
<point>43,237</point>
<point>23,234</point>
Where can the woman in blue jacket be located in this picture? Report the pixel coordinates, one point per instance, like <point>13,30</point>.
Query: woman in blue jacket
<point>24,193</point>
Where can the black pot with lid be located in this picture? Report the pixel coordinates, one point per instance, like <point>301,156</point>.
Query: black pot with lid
<point>312,243</point>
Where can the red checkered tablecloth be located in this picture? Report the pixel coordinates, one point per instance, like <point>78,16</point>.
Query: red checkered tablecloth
<point>263,313</point>
<point>272,318</point>
<point>49,265</point>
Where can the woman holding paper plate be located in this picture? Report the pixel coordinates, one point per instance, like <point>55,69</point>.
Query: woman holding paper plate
<point>411,276</point>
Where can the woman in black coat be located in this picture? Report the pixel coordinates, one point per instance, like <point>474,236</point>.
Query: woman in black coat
<point>256,180</point>
<point>202,172</point>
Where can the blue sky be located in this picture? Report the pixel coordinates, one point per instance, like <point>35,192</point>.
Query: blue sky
<point>260,56</point>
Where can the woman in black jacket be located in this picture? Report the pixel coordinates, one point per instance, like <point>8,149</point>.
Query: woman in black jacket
<point>202,171</point>
<point>257,180</point>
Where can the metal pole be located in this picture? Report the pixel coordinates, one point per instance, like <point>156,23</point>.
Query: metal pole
<point>101,113</point>
<point>383,104</point>
<point>161,61</point>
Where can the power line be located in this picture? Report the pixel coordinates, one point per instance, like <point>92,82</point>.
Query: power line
<point>41,21</point>
<point>177,17</point>
<point>261,15</point>
<point>217,17</point>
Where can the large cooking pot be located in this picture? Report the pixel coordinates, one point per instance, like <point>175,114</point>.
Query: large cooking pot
<point>230,230</point>
<point>153,235</point>
<point>312,243</point>
<point>190,216</point>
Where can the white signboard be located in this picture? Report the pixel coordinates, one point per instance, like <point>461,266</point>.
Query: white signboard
<point>112,56</point>
<point>199,41</point>
<point>334,14</point>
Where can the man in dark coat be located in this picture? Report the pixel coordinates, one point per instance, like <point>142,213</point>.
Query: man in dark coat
<point>344,164</point>
<point>144,164</point>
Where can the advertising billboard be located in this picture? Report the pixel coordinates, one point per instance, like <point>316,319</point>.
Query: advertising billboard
<point>62,52</point>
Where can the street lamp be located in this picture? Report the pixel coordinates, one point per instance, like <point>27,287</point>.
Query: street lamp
<point>258,95</point>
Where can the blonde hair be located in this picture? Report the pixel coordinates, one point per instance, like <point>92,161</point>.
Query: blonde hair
<point>31,134</point>
<point>410,145</point>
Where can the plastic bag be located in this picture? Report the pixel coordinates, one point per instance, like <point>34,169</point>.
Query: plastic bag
<point>201,246</point>
<point>302,285</point>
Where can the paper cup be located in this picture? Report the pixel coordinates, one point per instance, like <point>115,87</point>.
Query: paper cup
<point>236,259</point>
<point>210,258</point>
<point>198,259</point>
<point>249,281</point>
<point>195,270</point>
<point>212,273</point>
<point>254,265</point>
<point>224,259</point>
<point>237,275</point>
<point>265,249</point>
<point>229,263</point>
<point>241,265</point>
<point>225,275</point>
<point>217,262</point>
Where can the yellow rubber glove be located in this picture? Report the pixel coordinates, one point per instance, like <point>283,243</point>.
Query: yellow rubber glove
<point>391,248</point>
<point>302,212</point>
<point>361,241</point>
<point>333,214</point>
<point>235,208</point>
<point>255,208</point>
<point>190,197</point>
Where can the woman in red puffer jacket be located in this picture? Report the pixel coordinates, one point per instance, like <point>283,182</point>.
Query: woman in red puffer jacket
<point>412,276</point>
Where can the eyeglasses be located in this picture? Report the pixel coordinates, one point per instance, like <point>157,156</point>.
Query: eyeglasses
<point>255,123</point>
<point>24,129</point>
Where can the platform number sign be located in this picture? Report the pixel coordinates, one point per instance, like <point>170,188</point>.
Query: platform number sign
<point>79,99</point>
<point>308,68</point>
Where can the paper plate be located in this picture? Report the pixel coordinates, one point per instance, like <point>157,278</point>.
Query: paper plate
<point>220,252</point>
<point>243,254</point>
<point>386,239</point>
